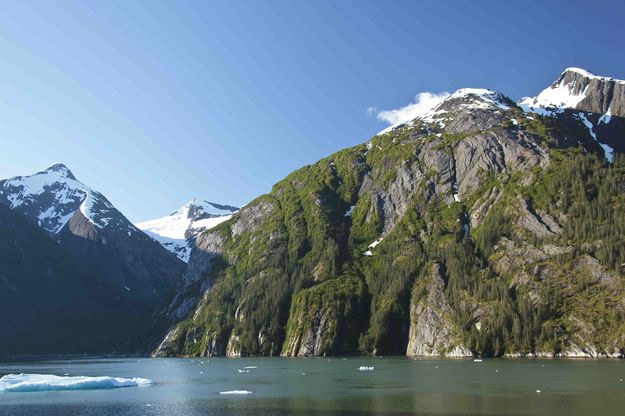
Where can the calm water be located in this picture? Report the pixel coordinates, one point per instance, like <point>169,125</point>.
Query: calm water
<point>320,386</point>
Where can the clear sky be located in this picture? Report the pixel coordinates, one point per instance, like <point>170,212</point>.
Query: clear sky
<point>153,103</point>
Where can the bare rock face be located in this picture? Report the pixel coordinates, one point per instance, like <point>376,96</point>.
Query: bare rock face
<point>432,331</point>
<point>251,217</point>
<point>482,206</point>
<point>494,152</point>
<point>233,350</point>
<point>214,346</point>
<point>391,203</point>
<point>542,226</point>
<point>308,343</point>
<point>601,94</point>
<point>169,345</point>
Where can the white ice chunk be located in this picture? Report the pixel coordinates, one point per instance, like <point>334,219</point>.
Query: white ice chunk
<point>236,392</point>
<point>47,382</point>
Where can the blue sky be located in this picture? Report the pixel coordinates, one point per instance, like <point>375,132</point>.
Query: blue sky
<point>154,103</point>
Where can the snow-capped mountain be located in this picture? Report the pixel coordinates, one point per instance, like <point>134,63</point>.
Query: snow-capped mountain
<point>579,89</point>
<point>585,101</point>
<point>463,99</point>
<point>177,231</point>
<point>94,232</point>
<point>53,196</point>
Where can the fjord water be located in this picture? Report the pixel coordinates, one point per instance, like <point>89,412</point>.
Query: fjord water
<point>329,386</point>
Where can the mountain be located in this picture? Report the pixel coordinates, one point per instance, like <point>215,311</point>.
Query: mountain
<point>476,229</point>
<point>592,104</point>
<point>78,276</point>
<point>94,232</point>
<point>177,231</point>
<point>49,304</point>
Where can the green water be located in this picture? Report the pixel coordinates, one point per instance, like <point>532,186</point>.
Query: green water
<point>321,386</point>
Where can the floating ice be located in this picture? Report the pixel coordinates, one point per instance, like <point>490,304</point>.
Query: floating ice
<point>477,360</point>
<point>236,392</point>
<point>365,368</point>
<point>251,366</point>
<point>48,382</point>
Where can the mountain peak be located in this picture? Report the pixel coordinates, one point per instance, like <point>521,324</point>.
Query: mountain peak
<point>574,71</point>
<point>60,169</point>
<point>579,89</point>
<point>579,71</point>
<point>176,231</point>
<point>471,98</point>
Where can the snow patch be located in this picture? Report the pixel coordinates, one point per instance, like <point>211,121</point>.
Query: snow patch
<point>376,242</point>
<point>350,211</point>
<point>480,98</point>
<point>607,117</point>
<point>46,382</point>
<point>607,150</point>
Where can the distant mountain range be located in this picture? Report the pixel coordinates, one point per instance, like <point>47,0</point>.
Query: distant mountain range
<point>482,227</point>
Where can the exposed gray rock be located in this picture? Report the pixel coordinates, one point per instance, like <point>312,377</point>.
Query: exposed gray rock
<point>432,331</point>
<point>482,206</point>
<point>169,345</point>
<point>494,152</point>
<point>513,257</point>
<point>390,204</point>
<point>531,221</point>
<point>591,266</point>
<point>251,216</point>
<point>214,346</point>
<point>233,350</point>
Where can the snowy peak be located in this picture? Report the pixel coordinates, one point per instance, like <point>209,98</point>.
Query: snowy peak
<point>593,105</point>
<point>50,198</point>
<point>475,98</point>
<point>573,71</point>
<point>459,112</point>
<point>177,231</point>
<point>579,89</point>
<point>59,169</point>
<point>198,209</point>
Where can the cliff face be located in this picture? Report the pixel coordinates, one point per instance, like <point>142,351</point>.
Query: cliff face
<point>432,328</point>
<point>476,229</point>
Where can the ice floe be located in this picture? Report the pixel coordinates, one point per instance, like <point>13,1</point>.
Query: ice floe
<point>49,382</point>
<point>235,392</point>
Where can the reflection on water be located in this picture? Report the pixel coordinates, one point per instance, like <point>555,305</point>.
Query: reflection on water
<point>320,386</point>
